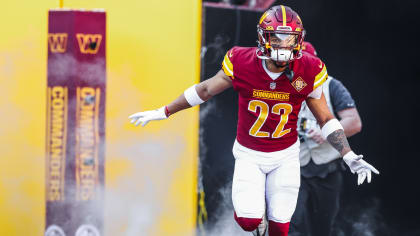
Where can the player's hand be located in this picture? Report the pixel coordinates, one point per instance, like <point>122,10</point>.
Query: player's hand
<point>316,135</point>
<point>144,117</point>
<point>359,166</point>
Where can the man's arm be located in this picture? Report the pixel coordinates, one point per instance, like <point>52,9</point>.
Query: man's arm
<point>345,108</point>
<point>350,120</point>
<point>194,95</point>
<point>205,90</point>
<point>333,131</point>
<point>336,138</point>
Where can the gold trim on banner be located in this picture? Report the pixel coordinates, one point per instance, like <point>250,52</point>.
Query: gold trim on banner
<point>76,146</point>
<point>64,159</point>
<point>87,143</point>
<point>47,145</point>
<point>97,101</point>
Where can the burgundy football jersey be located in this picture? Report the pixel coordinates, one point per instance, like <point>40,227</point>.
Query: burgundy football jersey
<point>268,109</point>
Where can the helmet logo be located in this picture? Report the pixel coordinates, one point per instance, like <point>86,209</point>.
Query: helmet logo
<point>269,28</point>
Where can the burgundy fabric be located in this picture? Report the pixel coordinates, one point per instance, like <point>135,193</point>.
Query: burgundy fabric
<point>75,120</point>
<point>247,224</point>
<point>254,86</point>
<point>278,229</point>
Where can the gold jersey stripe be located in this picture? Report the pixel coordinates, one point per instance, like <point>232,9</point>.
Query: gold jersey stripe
<point>321,77</point>
<point>320,74</point>
<point>283,12</point>
<point>321,81</point>
<point>227,66</point>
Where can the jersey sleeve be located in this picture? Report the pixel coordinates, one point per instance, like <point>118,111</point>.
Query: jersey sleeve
<point>316,93</point>
<point>227,64</point>
<point>321,75</point>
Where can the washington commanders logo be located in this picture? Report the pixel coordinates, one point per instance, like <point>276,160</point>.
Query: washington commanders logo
<point>299,84</point>
<point>89,43</point>
<point>57,42</point>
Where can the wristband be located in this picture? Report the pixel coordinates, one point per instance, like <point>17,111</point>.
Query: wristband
<point>167,112</point>
<point>331,126</point>
<point>192,97</point>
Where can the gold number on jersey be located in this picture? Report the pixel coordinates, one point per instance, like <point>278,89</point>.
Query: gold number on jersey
<point>255,129</point>
<point>262,117</point>
<point>283,118</point>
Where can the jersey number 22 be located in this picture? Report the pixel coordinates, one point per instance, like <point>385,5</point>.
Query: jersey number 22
<point>264,109</point>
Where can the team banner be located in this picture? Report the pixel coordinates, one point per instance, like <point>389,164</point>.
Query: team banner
<point>75,127</point>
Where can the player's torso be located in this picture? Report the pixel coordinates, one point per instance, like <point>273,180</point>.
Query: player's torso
<point>268,109</point>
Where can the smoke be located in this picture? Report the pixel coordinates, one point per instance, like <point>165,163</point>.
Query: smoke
<point>21,177</point>
<point>206,111</point>
<point>358,220</point>
<point>143,163</point>
<point>139,163</point>
<point>134,200</point>
<point>366,219</point>
<point>225,223</point>
<point>8,87</point>
<point>134,197</point>
<point>63,67</point>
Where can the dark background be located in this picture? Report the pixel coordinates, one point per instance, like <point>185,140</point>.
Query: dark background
<point>371,46</point>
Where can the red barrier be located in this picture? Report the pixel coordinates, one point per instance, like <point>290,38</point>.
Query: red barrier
<point>75,140</point>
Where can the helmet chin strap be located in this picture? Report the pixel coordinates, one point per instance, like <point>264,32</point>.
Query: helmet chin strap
<point>289,72</point>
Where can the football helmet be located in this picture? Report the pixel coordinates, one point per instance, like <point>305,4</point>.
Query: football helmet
<point>309,48</point>
<point>280,34</point>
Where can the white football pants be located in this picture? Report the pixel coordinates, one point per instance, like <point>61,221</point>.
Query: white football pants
<point>261,177</point>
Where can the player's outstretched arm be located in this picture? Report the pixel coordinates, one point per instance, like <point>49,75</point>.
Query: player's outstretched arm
<point>193,96</point>
<point>333,132</point>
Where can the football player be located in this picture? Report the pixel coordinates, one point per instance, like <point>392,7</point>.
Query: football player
<point>272,81</point>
